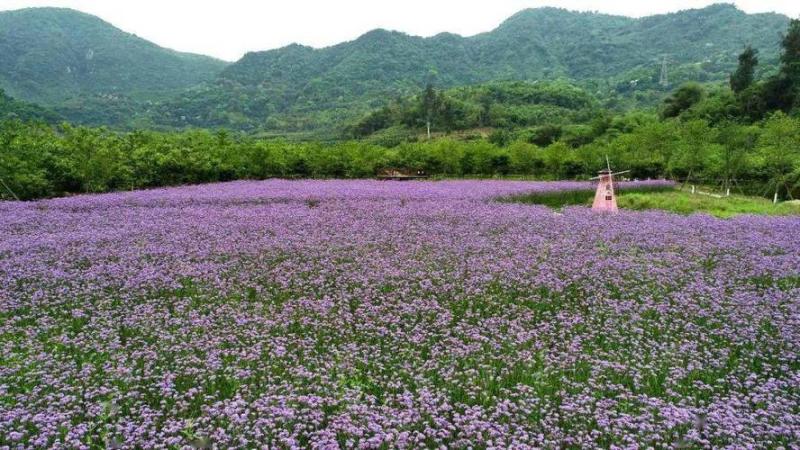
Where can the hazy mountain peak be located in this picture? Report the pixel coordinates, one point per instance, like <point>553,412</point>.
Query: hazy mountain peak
<point>52,54</point>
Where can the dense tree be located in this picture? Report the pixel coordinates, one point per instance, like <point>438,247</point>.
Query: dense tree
<point>777,94</point>
<point>505,105</point>
<point>372,123</point>
<point>500,137</point>
<point>718,106</point>
<point>430,105</point>
<point>737,143</point>
<point>779,154</point>
<point>543,129</point>
<point>780,92</point>
<point>37,160</point>
<point>545,135</point>
<point>14,109</point>
<point>696,143</point>
<point>743,77</point>
<point>753,101</point>
<point>485,101</point>
<point>682,99</point>
<point>790,64</point>
<point>790,58</point>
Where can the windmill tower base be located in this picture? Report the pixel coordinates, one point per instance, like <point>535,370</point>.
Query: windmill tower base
<point>605,200</point>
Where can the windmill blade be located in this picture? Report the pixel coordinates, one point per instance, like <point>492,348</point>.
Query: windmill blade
<point>612,174</point>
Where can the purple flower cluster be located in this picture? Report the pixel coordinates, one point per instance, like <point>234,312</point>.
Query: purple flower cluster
<point>364,314</point>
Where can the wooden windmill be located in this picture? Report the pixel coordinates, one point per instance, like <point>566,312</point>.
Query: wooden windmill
<point>605,200</point>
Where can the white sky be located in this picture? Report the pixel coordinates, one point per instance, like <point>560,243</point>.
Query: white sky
<point>227,29</point>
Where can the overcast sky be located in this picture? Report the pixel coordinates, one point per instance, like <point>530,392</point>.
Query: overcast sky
<point>227,29</point>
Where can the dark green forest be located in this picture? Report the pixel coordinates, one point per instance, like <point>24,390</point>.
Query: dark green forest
<point>740,132</point>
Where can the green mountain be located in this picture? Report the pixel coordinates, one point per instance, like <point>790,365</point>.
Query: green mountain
<point>301,88</point>
<point>92,73</point>
<point>55,56</point>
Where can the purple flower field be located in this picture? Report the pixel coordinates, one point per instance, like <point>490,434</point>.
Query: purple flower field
<point>365,314</point>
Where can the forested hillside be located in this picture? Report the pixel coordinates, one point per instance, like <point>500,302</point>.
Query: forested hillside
<point>60,57</point>
<point>92,73</point>
<point>618,58</point>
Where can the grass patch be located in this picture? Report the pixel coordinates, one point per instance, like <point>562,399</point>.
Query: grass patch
<point>559,199</point>
<point>683,202</point>
<point>554,200</point>
<point>667,199</point>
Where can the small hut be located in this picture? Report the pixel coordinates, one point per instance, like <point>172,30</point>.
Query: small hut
<point>401,174</point>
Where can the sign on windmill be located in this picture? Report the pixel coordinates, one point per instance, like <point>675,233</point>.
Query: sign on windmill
<point>605,199</point>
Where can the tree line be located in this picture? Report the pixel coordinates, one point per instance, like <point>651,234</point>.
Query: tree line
<point>38,160</point>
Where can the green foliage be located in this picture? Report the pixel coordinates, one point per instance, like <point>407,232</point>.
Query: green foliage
<point>733,156</point>
<point>790,57</point>
<point>780,92</point>
<point>777,94</point>
<point>682,99</point>
<point>14,109</point>
<point>544,135</point>
<point>37,160</point>
<point>778,156</point>
<point>503,105</point>
<point>717,106</point>
<point>745,72</point>
<point>696,142</point>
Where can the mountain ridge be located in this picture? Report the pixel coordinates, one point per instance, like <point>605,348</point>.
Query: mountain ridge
<point>49,55</point>
<point>298,84</point>
<point>301,88</point>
